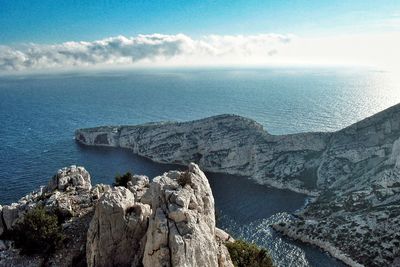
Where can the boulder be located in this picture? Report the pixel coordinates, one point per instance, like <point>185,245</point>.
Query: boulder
<point>116,232</point>
<point>70,177</point>
<point>10,215</point>
<point>138,185</point>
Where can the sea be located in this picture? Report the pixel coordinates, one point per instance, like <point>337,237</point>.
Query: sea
<point>40,112</point>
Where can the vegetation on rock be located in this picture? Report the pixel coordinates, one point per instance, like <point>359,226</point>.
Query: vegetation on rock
<point>245,254</point>
<point>38,233</point>
<point>123,180</point>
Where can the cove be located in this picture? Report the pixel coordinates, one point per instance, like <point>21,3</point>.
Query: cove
<point>244,209</point>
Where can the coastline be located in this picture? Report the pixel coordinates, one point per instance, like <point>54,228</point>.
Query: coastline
<point>325,246</point>
<point>355,169</point>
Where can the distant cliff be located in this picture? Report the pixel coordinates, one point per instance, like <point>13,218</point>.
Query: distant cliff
<point>226,143</point>
<point>355,172</point>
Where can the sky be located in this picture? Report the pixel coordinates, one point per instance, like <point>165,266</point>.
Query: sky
<point>48,34</point>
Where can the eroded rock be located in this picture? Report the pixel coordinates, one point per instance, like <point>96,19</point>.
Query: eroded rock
<point>182,228</point>
<point>73,176</point>
<point>115,235</point>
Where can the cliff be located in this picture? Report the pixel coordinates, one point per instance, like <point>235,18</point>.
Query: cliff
<point>354,172</point>
<point>226,143</point>
<point>169,221</point>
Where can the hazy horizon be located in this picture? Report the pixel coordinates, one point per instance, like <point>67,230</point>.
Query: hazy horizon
<point>51,36</point>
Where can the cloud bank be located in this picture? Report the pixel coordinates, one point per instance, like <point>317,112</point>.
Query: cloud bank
<point>212,50</point>
<point>142,49</point>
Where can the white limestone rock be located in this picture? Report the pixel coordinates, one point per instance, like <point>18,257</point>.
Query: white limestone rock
<point>73,176</point>
<point>99,189</point>
<point>116,231</point>
<point>224,143</point>
<point>138,186</point>
<point>182,228</point>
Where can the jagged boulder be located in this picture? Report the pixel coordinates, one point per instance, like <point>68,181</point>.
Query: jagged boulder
<point>10,214</point>
<point>115,235</point>
<point>73,176</point>
<point>138,185</point>
<point>182,227</point>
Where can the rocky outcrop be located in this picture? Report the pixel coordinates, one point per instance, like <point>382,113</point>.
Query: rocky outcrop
<point>167,222</point>
<point>182,226</point>
<point>116,232</point>
<point>177,228</point>
<point>76,177</point>
<point>354,173</point>
<point>68,195</point>
<point>54,196</point>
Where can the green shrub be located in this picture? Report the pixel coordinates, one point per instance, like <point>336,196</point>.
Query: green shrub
<point>123,180</point>
<point>38,232</point>
<point>245,254</point>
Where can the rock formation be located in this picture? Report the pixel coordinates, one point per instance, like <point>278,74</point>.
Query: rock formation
<point>117,229</point>
<point>353,173</point>
<point>167,222</point>
<point>177,228</point>
<point>68,195</point>
<point>182,226</point>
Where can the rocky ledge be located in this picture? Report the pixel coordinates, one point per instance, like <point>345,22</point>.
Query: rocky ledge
<point>169,221</point>
<point>353,173</point>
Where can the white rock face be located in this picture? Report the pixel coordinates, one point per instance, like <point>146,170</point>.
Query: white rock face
<point>176,229</point>
<point>73,176</point>
<point>182,228</point>
<point>226,143</point>
<point>139,185</point>
<point>115,235</point>
<point>168,222</point>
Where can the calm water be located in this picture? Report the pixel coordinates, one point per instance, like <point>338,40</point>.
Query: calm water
<point>38,116</point>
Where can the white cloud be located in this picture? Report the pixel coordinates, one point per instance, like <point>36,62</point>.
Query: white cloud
<point>155,48</point>
<point>181,50</point>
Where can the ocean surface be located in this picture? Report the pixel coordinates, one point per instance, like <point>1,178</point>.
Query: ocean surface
<point>39,113</point>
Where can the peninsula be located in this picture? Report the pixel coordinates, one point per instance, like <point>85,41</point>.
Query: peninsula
<point>353,174</point>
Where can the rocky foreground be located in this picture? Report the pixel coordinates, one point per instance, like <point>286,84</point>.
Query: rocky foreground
<point>353,173</point>
<point>169,221</point>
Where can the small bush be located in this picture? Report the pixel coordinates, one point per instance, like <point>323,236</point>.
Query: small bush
<point>123,180</point>
<point>245,254</point>
<point>184,178</point>
<point>38,233</point>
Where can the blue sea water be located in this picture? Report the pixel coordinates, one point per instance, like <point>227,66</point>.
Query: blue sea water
<point>39,113</point>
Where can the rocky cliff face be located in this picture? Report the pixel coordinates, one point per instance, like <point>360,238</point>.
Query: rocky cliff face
<point>226,143</point>
<point>355,172</point>
<point>167,222</point>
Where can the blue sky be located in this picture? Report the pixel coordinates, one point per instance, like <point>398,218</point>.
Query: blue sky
<point>51,34</point>
<point>49,21</point>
